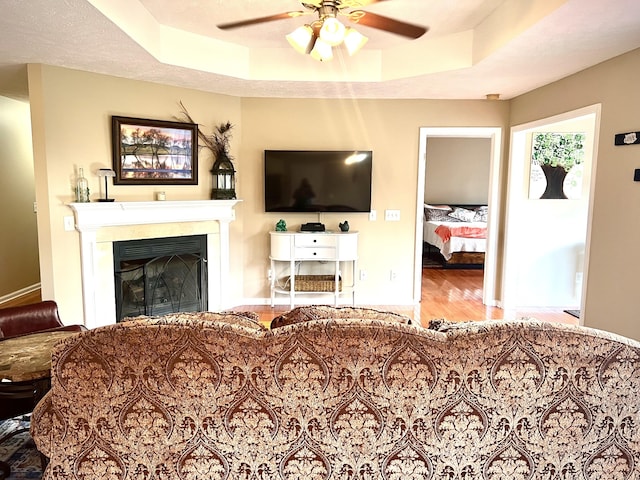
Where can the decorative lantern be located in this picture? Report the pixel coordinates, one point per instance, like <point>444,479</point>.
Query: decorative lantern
<point>224,179</point>
<point>223,173</point>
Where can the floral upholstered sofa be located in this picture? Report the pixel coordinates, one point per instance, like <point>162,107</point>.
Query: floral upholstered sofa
<point>218,396</point>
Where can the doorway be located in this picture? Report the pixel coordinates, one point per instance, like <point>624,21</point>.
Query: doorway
<point>547,240</point>
<point>490,267</point>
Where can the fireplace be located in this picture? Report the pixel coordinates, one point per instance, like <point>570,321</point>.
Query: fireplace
<point>102,224</point>
<point>157,276</point>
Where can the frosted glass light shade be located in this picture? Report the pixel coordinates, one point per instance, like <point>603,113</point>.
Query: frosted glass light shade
<point>300,38</point>
<point>332,31</point>
<point>321,51</point>
<point>354,41</point>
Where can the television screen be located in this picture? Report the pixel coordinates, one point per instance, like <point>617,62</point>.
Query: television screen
<point>317,181</point>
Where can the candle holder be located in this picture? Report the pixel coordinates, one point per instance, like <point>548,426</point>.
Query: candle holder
<point>106,173</point>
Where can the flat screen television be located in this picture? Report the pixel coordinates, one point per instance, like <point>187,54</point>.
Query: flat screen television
<point>317,180</point>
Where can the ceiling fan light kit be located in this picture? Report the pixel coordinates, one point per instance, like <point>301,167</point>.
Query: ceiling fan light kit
<point>318,38</point>
<point>332,31</point>
<point>354,40</point>
<point>301,38</point>
<point>321,51</point>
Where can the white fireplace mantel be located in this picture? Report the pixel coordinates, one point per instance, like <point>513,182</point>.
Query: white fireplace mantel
<point>91,217</point>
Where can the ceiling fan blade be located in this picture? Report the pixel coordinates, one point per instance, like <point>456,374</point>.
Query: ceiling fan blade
<point>387,24</point>
<point>254,21</point>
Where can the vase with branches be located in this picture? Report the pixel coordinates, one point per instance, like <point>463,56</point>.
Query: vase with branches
<point>218,144</point>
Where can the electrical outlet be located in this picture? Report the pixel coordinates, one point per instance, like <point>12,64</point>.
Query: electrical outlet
<point>363,275</point>
<point>35,207</point>
<point>393,275</point>
<point>392,215</point>
<point>68,223</point>
<point>373,216</point>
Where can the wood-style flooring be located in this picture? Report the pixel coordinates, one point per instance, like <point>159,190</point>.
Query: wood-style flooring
<point>455,295</point>
<point>25,299</point>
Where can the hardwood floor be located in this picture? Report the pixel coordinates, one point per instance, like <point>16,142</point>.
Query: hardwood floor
<point>25,299</point>
<point>455,295</point>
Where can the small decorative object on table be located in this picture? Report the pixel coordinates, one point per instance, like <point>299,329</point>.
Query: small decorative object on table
<point>106,173</point>
<point>281,226</point>
<point>82,187</point>
<point>344,226</point>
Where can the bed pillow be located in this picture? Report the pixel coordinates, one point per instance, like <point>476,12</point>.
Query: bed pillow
<point>436,214</point>
<point>438,207</point>
<point>463,214</point>
<point>481,214</point>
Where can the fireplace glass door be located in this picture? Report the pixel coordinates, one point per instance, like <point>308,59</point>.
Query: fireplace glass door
<point>160,275</point>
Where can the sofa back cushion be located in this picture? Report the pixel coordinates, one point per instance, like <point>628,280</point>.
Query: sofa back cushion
<point>245,319</point>
<point>322,312</point>
<point>341,399</point>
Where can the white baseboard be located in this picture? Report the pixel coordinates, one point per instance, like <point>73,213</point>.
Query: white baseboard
<point>328,300</point>
<point>300,300</point>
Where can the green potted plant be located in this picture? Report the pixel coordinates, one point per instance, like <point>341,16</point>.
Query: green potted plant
<point>556,153</point>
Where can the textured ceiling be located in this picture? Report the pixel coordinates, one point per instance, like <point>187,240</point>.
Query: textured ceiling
<point>473,47</point>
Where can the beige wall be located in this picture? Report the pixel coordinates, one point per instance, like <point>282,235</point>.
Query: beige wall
<point>457,170</point>
<point>390,128</point>
<point>72,111</point>
<point>18,242</point>
<point>612,278</point>
<point>71,128</point>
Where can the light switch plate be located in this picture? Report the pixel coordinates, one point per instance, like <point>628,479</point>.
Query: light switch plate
<point>68,223</point>
<point>392,215</point>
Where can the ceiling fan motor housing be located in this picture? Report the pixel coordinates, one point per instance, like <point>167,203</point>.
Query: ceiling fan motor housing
<point>328,9</point>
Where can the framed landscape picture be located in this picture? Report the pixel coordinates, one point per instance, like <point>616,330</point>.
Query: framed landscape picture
<point>154,152</point>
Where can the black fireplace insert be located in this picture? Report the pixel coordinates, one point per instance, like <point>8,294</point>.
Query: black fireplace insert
<point>160,275</point>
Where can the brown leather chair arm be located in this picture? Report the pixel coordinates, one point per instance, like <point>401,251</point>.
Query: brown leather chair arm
<point>65,328</point>
<point>25,319</point>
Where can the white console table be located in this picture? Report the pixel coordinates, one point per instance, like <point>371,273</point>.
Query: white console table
<point>290,250</point>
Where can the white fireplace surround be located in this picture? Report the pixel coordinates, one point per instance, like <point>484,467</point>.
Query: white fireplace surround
<point>98,290</point>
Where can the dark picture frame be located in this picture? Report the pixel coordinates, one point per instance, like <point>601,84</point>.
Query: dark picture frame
<point>154,152</point>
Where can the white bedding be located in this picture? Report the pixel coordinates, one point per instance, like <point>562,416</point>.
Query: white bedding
<point>455,244</point>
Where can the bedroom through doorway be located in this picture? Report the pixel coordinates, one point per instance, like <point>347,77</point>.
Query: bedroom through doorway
<point>459,200</point>
<point>456,192</point>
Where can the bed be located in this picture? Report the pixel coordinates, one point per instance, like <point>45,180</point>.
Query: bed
<point>455,235</point>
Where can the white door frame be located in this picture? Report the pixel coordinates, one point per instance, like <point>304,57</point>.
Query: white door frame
<point>514,187</point>
<point>490,265</point>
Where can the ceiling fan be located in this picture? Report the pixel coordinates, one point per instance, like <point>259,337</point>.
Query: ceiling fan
<point>319,36</point>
